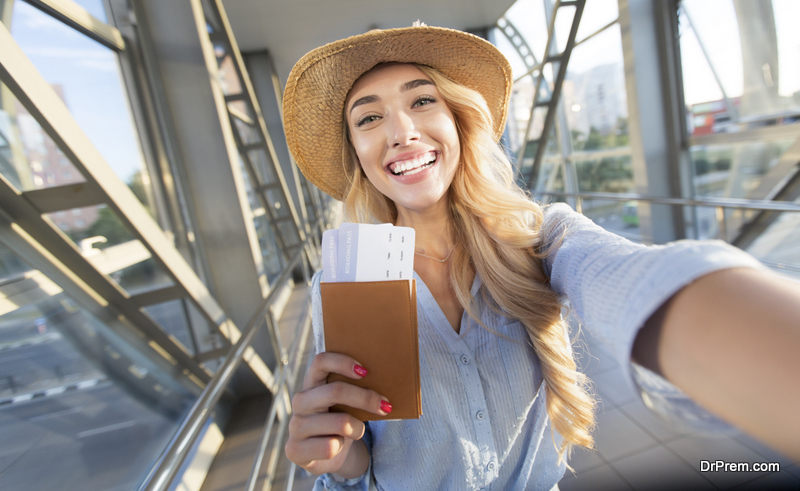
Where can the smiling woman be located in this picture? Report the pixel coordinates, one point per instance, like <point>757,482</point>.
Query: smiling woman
<point>404,136</point>
<point>403,125</point>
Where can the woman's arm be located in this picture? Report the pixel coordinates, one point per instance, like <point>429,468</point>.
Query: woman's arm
<point>731,341</point>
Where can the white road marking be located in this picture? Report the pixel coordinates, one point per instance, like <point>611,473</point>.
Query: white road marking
<point>106,429</point>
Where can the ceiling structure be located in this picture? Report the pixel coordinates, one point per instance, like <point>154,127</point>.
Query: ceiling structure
<point>289,29</point>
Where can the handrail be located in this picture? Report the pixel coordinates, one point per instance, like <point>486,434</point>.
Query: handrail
<point>746,204</point>
<point>284,368</point>
<point>165,468</point>
<point>719,203</point>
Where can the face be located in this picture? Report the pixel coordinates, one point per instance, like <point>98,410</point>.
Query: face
<point>404,135</point>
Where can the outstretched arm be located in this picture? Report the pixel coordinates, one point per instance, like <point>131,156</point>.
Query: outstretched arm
<point>731,341</point>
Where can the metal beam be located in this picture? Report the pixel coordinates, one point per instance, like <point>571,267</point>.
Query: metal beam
<point>75,16</point>
<point>66,197</point>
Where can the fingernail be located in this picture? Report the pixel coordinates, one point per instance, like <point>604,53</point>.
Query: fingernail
<point>386,407</point>
<point>360,371</point>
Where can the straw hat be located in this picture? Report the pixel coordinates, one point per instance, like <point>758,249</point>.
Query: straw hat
<point>313,103</point>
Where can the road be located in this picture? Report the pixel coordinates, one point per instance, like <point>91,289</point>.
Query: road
<point>48,361</point>
<point>96,438</point>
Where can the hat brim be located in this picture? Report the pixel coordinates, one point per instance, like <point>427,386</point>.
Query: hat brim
<point>320,81</point>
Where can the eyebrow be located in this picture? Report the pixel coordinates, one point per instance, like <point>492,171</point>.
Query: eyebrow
<point>404,88</point>
<point>414,84</point>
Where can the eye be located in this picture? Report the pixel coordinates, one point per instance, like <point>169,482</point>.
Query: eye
<point>423,100</point>
<point>366,119</point>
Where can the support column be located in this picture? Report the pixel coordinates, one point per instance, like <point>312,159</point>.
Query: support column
<point>215,186</point>
<point>654,98</point>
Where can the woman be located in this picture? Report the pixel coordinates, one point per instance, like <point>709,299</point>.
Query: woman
<point>402,125</point>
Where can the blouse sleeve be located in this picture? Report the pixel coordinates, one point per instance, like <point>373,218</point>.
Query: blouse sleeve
<point>330,481</point>
<point>613,286</point>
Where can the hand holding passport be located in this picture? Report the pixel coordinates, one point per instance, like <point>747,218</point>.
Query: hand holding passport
<point>369,312</point>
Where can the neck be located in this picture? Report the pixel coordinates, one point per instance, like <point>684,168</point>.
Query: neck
<point>432,228</point>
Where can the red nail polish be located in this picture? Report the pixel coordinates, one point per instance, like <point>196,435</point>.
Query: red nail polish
<point>386,407</point>
<point>360,371</point>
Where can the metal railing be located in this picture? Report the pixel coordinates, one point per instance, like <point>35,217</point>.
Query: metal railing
<point>744,204</point>
<point>720,204</point>
<point>165,468</point>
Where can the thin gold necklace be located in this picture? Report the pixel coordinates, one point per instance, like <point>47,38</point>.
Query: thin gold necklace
<point>439,260</point>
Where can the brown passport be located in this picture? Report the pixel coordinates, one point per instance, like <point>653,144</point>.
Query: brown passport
<point>375,322</point>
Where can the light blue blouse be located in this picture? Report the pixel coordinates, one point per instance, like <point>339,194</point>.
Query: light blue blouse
<point>485,423</point>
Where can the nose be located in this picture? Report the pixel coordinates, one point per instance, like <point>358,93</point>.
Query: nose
<point>402,130</point>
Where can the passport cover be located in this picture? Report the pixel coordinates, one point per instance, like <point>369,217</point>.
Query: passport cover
<point>375,322</point>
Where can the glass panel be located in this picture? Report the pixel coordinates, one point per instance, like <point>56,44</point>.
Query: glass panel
<point>10,265</point>
<point>141,277</point>
<point>707,219</point>
<point>172,319</point>
<point>752,47</point>
<point>528,16</point>
<point>778,247</point>
<point>111,248</point>
<point>702,94</point>
<point>86,76</point>
<point>553,147</point>
<point>620,217</point>
<point>564,18</point>
<point>606,175</point>
<point>77,399</point>
<point>271,253</point>
<point>247,133</point>
<point>263,166</point>
<point>552,177</point>
<point>518,64</point>
<point>737,170</point>
<point>519,113</point>
<point>228,78</point>
<point>595,101</point>
<point>596,14</point>
<point>539,115</point>
<point>29,158</point>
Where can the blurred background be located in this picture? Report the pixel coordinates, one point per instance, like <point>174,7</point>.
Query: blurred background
<point>156,239</point>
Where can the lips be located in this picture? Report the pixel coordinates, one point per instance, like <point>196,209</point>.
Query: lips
<point>413,165</point>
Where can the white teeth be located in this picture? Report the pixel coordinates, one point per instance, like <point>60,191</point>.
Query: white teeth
<point>414,165</point>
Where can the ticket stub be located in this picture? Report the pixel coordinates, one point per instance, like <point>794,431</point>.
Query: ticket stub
<point>367,252</point>
<point>402,241</point>
<point>363,252</point>
<point>330,255</point>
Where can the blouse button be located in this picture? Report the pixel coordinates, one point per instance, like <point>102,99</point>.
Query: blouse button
<point>480,415</point>
<point>490,466</point>
<point>464,359</point>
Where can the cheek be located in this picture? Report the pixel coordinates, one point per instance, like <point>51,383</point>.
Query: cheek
<point>365,149</point>
<point>445,128</point>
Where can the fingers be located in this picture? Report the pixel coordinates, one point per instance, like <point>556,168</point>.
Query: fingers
<point>331,424</point>
<point>319,399</point>
<point>319,450</point>
<point>327,363</point>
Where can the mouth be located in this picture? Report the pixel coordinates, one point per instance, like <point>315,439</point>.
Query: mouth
<point>413,166</point>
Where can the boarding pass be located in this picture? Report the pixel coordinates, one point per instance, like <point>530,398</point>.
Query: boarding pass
<point>365,252</point>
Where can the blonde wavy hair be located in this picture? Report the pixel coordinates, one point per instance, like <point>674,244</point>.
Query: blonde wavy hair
<point>497,232</point>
